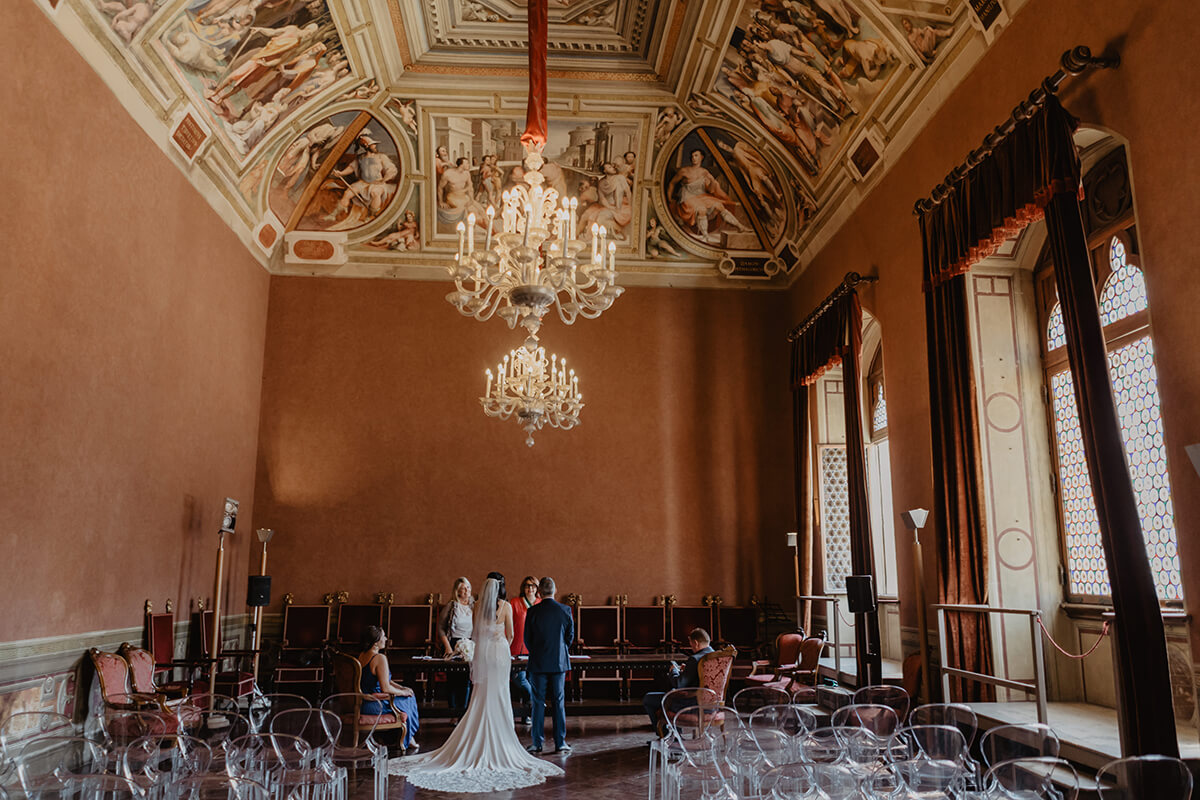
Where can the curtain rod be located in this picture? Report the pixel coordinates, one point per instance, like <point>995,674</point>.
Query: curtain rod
<point>848,283</point>
<point>1075,61</point>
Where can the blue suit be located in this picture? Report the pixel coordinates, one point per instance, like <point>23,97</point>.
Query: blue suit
<point>549,632</point>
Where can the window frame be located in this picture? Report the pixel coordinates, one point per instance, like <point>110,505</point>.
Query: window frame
<point>1117,334</point>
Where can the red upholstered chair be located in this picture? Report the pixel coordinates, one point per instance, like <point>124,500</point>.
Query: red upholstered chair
<point>116,687</point>
<point>410,629</point>
<point>685,619</point>
<point>802,679</point>
<point>714,669</point>
<point>347,681</point>
<point>142,669</point>
<point>235,683</point>
<point>354,618</point>
<point>787,657</point>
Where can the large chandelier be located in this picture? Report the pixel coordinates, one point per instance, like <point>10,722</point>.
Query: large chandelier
<point>538,392</point>
<point>534,261</point>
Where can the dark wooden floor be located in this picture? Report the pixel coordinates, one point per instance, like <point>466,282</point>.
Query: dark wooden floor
<point>609,761</point>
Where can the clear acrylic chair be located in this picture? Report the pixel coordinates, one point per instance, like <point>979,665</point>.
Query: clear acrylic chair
<point>893,696</point>
<point>21,727</point>
<point>44,762</point>
<point>823,781</point>
<point>265,757</point>
<point>120,727</point>
<point>703,781</point>
<point>217,787</point>
<point>791,720</point>
<point>932,759</point>
<point>1008,742</point>
<point>154,762</point>
<point>669,744</point>
<point>884,782</point>
<point>960,716</point>
<point>750,755</point>
<point>880,720</point>
<point>752,698</point>
<point>263,709</point>
<point>823,746</point>
<point>355,751</point>
<point>104,786</point>
<point>1034,779</point>
<point>1133,778</point>
<point>320,730</point>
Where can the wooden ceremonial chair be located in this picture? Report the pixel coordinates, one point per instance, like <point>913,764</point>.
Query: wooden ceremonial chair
<point>142,672</point>
<point>597,630</point>
<point>116,686</point>
<point>347,680</point>
<point>685,619</point>
<point>158,637</point>
<point>644,629</point>
<point>738,626</point>
<point>354,618</point>
<point>410,629</point>
<point>305,632</point>
<point>231,683</point>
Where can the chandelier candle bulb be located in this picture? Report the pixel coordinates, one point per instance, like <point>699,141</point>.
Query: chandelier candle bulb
<point>491,216</point>
<point>471,233</point>
<point>489,380</point>
<point>462,235</point>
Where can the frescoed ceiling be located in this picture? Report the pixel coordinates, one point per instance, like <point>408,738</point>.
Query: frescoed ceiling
<point>721,142</point>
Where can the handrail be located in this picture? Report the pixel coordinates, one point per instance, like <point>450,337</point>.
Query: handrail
<point>837,635</point>
<point>1036,687</point>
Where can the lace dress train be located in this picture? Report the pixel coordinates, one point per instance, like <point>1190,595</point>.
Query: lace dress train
<point>483,754</point>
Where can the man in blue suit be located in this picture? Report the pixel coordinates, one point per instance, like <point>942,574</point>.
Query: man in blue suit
<point>549,631</point>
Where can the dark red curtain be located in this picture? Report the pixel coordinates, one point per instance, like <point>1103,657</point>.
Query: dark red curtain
<point>536,115</point>
<point>1035,172</point>
<point>835,337</point>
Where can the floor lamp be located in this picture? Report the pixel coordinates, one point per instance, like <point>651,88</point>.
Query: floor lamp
<point>914,520</point>
<point>228,522</point>
<point>264,535</point>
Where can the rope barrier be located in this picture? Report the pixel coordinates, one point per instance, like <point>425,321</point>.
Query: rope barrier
<point>1100,638</point>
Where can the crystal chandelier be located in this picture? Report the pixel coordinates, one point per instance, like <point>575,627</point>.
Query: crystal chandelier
<point>534,261</point>
<point>537,391</point>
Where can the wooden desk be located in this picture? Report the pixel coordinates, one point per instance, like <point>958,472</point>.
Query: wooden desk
<point>655,663</point>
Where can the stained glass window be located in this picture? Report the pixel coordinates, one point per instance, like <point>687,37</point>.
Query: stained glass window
<point>879,415</point>
<point>835,518</point>
<point>1056,332</point>
<point>1125,290</point>
<point>1135,386</point>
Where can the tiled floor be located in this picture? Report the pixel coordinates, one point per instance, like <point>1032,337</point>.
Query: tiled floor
<point>608,761</point>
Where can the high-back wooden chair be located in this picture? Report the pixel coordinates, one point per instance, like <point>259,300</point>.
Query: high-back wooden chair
<point>685,619</point>
<point>234,683</point>
<point>738,626</point>
<point>143,673</point>
<point>354,618</point>
<point>305,632</point>
<point>598,628</point>
<point>644,629</point>
<point>803,677</point>
<point>347,682</point>
<point>410,629</point>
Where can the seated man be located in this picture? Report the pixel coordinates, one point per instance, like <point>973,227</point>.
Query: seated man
<point>687,679</point>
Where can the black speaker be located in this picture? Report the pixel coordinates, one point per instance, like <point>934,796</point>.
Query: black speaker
<point>258,590</point>
<point>860,593</point>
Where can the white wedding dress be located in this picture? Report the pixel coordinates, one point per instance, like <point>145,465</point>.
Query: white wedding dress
<point>483,754</point>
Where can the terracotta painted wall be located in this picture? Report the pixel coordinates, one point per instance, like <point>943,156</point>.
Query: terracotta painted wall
<point>1144,102</point>
<point>131,339</point>
<point>380,472</point>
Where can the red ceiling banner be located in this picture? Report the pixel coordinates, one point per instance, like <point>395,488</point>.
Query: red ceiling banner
<point>536,116</point>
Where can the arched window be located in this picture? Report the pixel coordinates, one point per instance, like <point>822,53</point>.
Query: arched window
<point>1125,315</point>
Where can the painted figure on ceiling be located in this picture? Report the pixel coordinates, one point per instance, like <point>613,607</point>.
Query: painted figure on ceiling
<point>924,39</point>
<point>454,192</point>
<point>612,208</point>
<point>699,201</point>
<point>375,180</point>
<point>128,17</point>
<point>304,154</point>
<point>406,236</point>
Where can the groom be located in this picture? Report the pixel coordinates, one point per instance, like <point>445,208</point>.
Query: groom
<point>549,631</point>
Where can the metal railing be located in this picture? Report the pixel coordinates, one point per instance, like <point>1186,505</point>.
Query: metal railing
<point>1036,687</point>
<point>837,633</point>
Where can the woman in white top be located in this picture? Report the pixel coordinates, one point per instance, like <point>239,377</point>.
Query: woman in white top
<point>483,754</point>
<point>454,624</point>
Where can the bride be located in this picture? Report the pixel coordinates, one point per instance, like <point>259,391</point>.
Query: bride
<point>483,754</point>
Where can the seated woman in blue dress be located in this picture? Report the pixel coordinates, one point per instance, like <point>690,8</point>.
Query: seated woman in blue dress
<point>377,681</point>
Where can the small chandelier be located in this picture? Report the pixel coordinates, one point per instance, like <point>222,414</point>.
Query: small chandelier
<point>534,261</point>
<point>537,391</point>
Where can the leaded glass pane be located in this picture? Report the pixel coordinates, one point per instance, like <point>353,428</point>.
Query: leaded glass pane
<point>1056,332</point>
<point>879,416</point>
<point>835,518</point>
<point>1125,290</point>
<point>1135,385</point>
